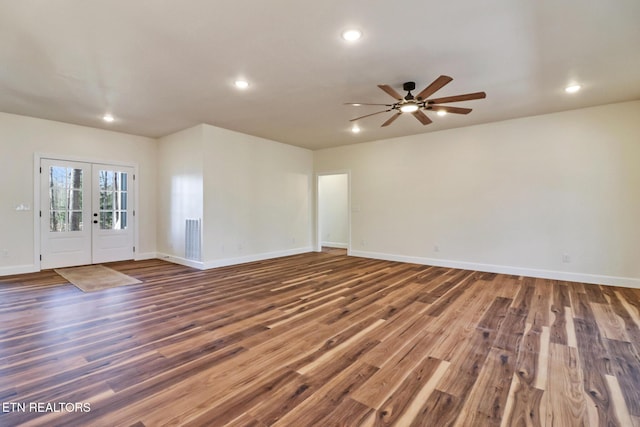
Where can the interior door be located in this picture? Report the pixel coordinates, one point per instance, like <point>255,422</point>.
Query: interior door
<point>86,213</point>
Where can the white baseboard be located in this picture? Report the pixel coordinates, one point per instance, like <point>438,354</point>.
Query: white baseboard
<point>627,282</point>
<point>256,257</point>
<point>335,245</point>
<point>182,261</point>
<point>32,268</point>
<point>232,261</point>
<point>18,269</point>
<point>145,255</point>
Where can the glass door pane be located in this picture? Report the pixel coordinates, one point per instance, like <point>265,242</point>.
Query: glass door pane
<point>65,199</point>
<point>113,199</point>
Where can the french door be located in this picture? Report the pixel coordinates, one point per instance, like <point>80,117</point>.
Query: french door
<point>86,212</point>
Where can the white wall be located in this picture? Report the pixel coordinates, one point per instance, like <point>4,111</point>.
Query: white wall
<point>512,196</point>
<point>333,210</point>
<point>180,191</point>
<point>257,198</point>
<point>21,137</point>
<point>253,195</point>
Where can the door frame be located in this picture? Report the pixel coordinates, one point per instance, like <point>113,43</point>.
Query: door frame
<point>318,242</point>
<point>37,157</point>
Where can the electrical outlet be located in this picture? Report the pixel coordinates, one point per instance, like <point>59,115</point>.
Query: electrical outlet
<point>5,253</point>
<point>436,248</point>
<point>566,258</point>
<point>363,242</point>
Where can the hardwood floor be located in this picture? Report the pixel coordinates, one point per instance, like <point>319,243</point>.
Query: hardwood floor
<point>318,340</point>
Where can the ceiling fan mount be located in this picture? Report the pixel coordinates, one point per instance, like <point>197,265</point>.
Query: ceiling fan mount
<point>408,87</point>
<point>417,104</point>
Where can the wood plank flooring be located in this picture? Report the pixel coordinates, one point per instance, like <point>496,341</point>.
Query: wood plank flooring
<point>318,339</point>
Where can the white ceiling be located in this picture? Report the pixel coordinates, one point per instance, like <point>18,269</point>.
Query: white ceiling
<point>160,66</point>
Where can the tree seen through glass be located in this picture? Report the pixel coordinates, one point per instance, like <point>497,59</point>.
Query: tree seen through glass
<point>113,200</point>
<point>65,199</point>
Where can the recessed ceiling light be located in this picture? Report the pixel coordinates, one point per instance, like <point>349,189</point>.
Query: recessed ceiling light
<point>442,113</point>
<point>241,84</point>
<point>351,35</point>
<point>572,88</point>
<point>355,129</point>
<point>108,118</point>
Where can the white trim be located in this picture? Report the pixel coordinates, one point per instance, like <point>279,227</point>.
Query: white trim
<point>256,257</point>
<point>145,255</point>
<point>336,245</point>
<point>36,210</point>
<point>182,261</point>
<point>628,282</point>
<point>136,208</point>
<point>100,161</point>
<point>19,269</point>
<point>233,261</point>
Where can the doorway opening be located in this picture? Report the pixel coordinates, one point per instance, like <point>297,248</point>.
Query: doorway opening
<point>333,213</point>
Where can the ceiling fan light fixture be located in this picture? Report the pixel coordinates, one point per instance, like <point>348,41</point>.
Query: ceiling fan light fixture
<point>416,106</point>
<point>572,88</point>
<point>409,107</point>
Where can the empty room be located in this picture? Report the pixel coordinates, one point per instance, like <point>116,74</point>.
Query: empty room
<point>337,213</point>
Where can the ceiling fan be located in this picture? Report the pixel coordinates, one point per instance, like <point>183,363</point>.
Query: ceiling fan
<point>417,104</point>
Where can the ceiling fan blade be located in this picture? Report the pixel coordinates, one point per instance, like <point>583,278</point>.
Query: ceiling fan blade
<point>454,110</point>
<point>436,85</point>
<point>457,98</point>
<point>357,104</point>
<point>391,119</point>
<point>372,114</point>
<point>391,92</point>
<point>422,117</point>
